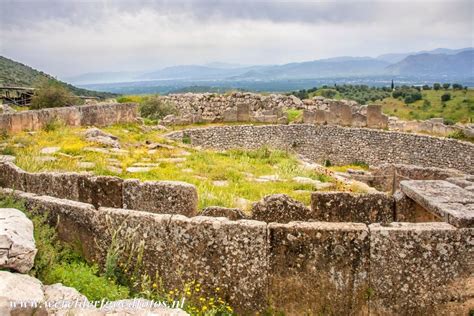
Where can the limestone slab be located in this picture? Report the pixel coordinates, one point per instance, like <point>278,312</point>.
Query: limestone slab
<point>452,203</point>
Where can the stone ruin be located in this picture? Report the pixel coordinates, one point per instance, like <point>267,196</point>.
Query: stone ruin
<point>341,255</point>
<point>251,107</point>
<point>410,252</point>
<point>233,107</point>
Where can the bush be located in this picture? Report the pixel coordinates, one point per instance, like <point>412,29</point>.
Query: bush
<point>446,97</point>
<point>155,109</point>
<point>448,122</point>
<point>328,93</point>
<point>50,94</point>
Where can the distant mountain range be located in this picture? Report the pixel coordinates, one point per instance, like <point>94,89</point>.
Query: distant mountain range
<point>438,63</point>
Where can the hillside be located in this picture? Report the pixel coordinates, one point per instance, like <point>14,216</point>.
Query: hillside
<point>460,64</point>
<point>13,73</point>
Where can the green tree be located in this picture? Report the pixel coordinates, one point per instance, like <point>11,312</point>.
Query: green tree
<point>436,86</point>
<point>154,108</point>
<point>446,86</point>
<point>446,97</point>
<point>51,94</point>
<point>457,86</point>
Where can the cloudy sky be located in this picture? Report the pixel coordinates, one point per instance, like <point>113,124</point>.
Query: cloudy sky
<point>70,37</point>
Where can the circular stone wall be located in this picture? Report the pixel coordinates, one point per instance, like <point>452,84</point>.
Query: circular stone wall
<point>339,145</point>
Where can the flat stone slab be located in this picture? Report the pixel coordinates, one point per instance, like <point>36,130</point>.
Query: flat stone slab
<point>450,202</point>
<point>49,150</point>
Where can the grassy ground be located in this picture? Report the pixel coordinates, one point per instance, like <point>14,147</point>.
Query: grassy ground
<point>459,109</point>
<point>239,169</point>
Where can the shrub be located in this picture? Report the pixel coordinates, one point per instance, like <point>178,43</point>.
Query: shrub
<point>154,108</point>
<point>448,121</point>
<point>50,94</point>
<point>328,93</point>
<point>446,97</point>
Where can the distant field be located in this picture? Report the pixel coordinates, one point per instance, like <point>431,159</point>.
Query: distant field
<point>459,109</point>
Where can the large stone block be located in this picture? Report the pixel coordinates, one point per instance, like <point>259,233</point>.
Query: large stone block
<point>219,253</point>
<point>243,112</point>
<point>101,191</point>
<point>219,211</point>
<point>421,269</point>
<point>407,210</point>
<point>375,118</point>
<point>17,244</point>
<point>352,207</point>
<point>214,252</point>
<point>319,268</point>
<point>5,120</point>
<point>340,113</point>
<point>166,197</point>
<point>280,208</point>
<point>40,183</point>
<point>11,176</point>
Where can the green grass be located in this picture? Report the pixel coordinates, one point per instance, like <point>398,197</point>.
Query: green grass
<point>294,115</point>
<point>240,168</point>
<point>459,109</point>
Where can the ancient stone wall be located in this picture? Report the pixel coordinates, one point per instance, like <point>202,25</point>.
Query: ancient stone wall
<point>434,126</point>
<point>234,107</point>
<point>170,197</point>
<point>86,115</point>
<point>298,268</point>
<point>251,107</point>
<point>339,145</point>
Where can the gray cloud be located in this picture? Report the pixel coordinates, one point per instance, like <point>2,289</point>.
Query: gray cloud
<point>67,37</point>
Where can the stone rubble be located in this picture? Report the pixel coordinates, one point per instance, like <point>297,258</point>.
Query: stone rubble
<point>98,136</point>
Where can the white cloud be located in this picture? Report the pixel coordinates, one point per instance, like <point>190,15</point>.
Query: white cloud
<point>104,36</point>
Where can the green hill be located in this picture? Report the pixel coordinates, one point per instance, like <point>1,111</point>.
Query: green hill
<point>13,73</point>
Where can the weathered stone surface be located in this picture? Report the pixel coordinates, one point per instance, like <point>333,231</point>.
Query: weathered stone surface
<point>352,207</point>
<point>448,201</point>
<point>87,115</point>
<point>387,176</point>
<point>96,135</point>
<point>375,118</point>
<point>407,210</point>
<point>217,252</point>
<point>17,244</point>
<point>11,176</point>
<point>60,293</point>
<point>339,145</point>
<point>166,197</point>
<point>20,287</point>
<point>340,113</point>
<point>462,182</point>
<point>101,191</point>
<point>319,268</point>
<point>421,269</point>
<point>219,211</point>
<point>280,208</point>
